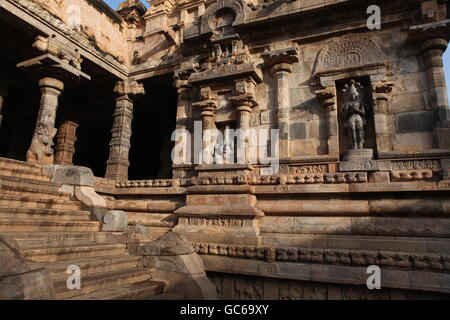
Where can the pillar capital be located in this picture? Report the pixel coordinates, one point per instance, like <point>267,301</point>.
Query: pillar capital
<point>53,83</point>
<point>244,102</point>
<point>130,88</point>
<point>434,43</point>
<point>280,60</point>
<point>327,97</point>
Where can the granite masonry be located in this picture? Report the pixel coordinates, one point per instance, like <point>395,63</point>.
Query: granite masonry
<point>103,113</point>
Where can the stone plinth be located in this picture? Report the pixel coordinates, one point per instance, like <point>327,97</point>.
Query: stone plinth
<point>223,218</point>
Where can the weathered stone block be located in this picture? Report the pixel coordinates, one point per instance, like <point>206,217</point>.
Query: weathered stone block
<point>414,122</point>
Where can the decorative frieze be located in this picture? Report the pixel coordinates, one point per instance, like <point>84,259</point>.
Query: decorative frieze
<point>411,175</point>
<point>433,165</point>
<point>422,261</point>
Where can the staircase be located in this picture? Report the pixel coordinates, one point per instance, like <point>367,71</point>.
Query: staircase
<point>55,231</point>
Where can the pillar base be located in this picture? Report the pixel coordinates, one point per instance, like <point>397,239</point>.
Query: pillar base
<point>220,218</point>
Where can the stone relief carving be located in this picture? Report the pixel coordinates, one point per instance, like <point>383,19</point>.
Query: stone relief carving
<point>429,261</point>
<point>355,112</point>
<point>211,20</point>
<point>348,53</point>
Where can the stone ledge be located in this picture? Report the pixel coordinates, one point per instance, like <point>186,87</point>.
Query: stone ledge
<point>356,258</point>
<point>401,279</point>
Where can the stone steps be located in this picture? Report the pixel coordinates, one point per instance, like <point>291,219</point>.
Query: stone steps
<point>55,232</point>
<point>89,266</point>
<point>13,185</point>
<point>53,254</point>
<point>23,173</point>
<point>144,290</point>
<point>16,225</point>
<point>96,282</point>
<point>12,164</point>
<point>45,214</point>
<point>27,240</point>
<point>39,201</point>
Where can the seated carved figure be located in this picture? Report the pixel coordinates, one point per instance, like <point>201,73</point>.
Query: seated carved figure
<point>354,112</point>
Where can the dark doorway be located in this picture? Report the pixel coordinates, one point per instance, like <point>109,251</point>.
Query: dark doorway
<point>153,124</point>
<point>91,105</point>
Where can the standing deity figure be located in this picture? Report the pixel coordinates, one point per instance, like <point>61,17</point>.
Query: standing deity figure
<point>354,112</point>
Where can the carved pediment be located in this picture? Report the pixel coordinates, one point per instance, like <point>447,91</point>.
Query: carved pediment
<point>222,12</point>
<point>349,53</point>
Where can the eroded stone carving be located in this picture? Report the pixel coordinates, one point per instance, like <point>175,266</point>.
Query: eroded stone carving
<point>354,112</point>
<point>41,148</point>
<point>349,53</point>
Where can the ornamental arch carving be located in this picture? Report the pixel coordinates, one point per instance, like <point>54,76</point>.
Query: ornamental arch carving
<point>348,53</point>
<point>209,21</point>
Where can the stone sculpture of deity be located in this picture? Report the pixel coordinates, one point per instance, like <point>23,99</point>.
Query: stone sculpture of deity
<point>354,112</point>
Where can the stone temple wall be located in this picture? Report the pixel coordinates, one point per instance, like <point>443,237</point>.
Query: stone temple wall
<point>363,117</point>
<point>105,29</point>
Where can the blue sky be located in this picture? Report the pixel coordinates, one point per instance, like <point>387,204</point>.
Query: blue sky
<point>447,68</point>
<point>115,3</point>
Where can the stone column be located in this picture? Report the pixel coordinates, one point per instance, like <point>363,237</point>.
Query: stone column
<point>281,73</point>
<point>328,98</point>
<point>208,123</point>
<point>41,148</point>
<point>183,90</point>
<point>280,60</point>
<point>65,143</point>
<point>207,106</point>
<point>4,86</point>
<point>244,104</point>
<point>381,96</point>
<point>432,51</point>
<point>118,162</point>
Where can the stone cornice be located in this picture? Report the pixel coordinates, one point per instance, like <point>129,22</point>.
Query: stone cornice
<point>49,24</point>
<point>103,7</point>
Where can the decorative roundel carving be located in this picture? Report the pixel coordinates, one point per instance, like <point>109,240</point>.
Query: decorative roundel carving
<point>223,14</point>
<point>349,53</point>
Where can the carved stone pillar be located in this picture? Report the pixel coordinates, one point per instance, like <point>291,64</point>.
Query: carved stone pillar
<point>328,98</point>
<point>118,162</point>
<point>281,73</point>
<point>381,100</point>
<point>4,86</point>
<point>432,51</point>
<point>65,143</point>
<point>41,148</point>
<point>281,61</point>
<point>244,104</point>
<point>183,90</point>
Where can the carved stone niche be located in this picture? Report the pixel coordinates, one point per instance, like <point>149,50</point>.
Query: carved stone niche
<point>355,61</point>
<point>224,14</point>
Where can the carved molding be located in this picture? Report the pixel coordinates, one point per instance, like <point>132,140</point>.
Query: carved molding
<point>238,6</point>
<point>349,53</point>
<point>428,261</point>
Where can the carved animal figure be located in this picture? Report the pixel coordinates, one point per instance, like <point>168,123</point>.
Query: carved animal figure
<point>41,144</point>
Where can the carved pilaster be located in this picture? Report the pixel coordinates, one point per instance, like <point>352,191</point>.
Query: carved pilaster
<point>432,51</point>
<point>41,148</point>
<point>207,106</point>
<point>381,93</point>
<point>65,143</point>
<point>280,62</point>
<point>244,104</point>
<point>328,98</point>
<point>118,163</point>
